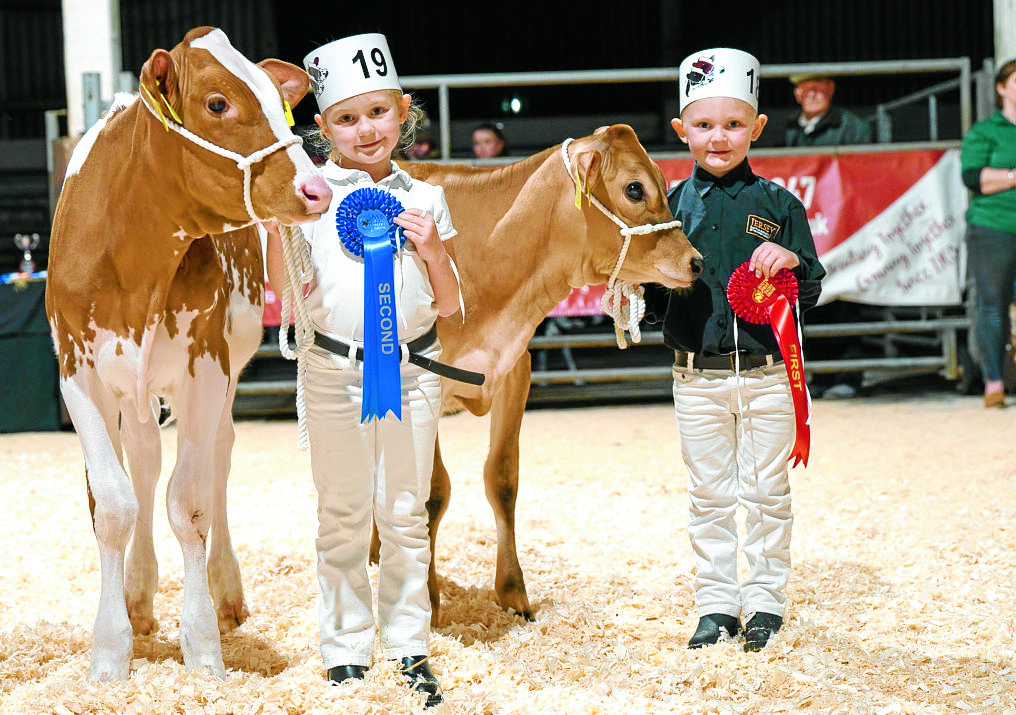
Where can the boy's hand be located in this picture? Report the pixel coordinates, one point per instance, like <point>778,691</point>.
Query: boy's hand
<point>420,229</point>
<point>769,258</point>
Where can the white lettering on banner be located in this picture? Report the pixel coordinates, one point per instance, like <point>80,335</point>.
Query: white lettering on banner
<point>819,225</point>
<point>911,253</point>
<point>803,187</point>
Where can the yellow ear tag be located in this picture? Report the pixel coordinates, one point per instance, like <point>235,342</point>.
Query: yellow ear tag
<point>578,189</point>
<point>172,112</point>
<point>289,113</point>
<point>156,108</point>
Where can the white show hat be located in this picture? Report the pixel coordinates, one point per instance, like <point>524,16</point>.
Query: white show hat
<point>720,72</point>
<point>350,66</point>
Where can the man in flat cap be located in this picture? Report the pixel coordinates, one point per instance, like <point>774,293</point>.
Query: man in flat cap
<point>820,123</point>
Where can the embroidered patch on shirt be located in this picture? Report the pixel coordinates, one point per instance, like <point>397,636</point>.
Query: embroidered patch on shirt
<point>763,228</point>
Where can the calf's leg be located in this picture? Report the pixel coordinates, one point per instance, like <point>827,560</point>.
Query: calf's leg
<point>224,580</point>
<point>189,502</point>
<point>437,504</point>
<point>143,447</point>
<point>114,513</point>
<point>501,480</point>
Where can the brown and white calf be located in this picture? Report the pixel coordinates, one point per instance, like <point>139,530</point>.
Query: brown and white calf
<point>156,289</point>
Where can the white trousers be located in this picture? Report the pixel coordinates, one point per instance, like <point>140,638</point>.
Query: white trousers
<point>736,435</point>
<point>381,468</point>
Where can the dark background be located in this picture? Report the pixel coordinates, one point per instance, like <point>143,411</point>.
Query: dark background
<point>466,38</point>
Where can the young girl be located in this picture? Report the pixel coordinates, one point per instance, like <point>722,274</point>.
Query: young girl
<point>365,467</point>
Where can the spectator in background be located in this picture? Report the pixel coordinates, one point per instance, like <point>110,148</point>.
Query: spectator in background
<point>489,140</point>
<point>424,147</point>
<point>988,169</point>
<point>819,122</point>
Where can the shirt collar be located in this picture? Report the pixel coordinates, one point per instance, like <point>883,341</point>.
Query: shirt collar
<point>731,183</point>
<point>809,124</point>
<point>339,175</point>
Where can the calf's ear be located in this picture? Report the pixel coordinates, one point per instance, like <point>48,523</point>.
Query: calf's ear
<point>294,81</point>
<point>159,75</point>
<point>588,163</point>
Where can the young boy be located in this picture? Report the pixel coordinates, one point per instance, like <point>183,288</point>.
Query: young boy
<point>732,394</point>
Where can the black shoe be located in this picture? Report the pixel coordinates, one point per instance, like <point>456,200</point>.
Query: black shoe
<point>759,629</point>
<point>710,628</point>
<point>421,679</point>
<point>342,673</point>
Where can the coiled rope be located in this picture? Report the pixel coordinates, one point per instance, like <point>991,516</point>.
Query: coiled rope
<point>298,272</point>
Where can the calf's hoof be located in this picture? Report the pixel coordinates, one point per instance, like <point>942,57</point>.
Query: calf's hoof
<point>231,614</point>
<point>105,670</point>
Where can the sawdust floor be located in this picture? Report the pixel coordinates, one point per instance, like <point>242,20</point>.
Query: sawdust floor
<point>901,597</point>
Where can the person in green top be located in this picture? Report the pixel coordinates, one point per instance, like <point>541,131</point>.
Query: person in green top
<point>987,166</point>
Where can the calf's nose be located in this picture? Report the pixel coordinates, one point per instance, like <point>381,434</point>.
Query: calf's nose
<point>697,265</point>
<point>316,194</point>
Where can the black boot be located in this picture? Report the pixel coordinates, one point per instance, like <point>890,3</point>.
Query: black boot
<point>759,629</point>
<point>417,669</point>
<point>710,628</point>
<point>342,673</point>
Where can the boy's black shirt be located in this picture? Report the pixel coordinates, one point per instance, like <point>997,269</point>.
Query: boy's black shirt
<point>725,219</point>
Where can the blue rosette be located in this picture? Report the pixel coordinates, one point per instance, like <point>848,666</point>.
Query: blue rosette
<point>366,227</point>
<point>368,213</point>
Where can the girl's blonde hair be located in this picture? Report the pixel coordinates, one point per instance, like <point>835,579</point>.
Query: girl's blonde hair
<point>407,136</point>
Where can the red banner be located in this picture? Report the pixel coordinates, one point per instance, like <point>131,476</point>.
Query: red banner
<point>888,226</point>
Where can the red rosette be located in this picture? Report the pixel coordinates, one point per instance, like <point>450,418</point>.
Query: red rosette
<point>752,297</point>
<point>769,300</point>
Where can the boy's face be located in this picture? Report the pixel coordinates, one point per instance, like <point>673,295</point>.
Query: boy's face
<point>365,129</point>
<point>719,131</point>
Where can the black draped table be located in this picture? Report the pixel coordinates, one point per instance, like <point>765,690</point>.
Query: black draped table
<point>30,396</point>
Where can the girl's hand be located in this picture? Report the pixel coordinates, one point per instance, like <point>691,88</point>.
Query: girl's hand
<point>769,258</point>
<point>420,229</point>
<point>271,226</point>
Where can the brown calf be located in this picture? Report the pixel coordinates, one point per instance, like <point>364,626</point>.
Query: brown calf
<point>521,246</point>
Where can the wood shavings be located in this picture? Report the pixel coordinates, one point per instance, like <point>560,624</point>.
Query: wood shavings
<point>898,600</point>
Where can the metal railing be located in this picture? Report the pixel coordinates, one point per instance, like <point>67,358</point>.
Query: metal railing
<point>654,380</point>
<point>961,66</point>
<point>942,352</point>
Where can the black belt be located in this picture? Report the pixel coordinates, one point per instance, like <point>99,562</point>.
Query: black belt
<point>421,343</point>
<point>724,362</point>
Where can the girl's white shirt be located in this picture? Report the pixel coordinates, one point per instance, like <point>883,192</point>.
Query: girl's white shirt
<point>335,301</point>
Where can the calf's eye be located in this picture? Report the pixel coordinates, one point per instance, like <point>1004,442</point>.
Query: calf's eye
<point>217,105</point>
<point>634,191</point>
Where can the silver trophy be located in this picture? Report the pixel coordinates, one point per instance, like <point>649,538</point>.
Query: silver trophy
<point>26,242</point>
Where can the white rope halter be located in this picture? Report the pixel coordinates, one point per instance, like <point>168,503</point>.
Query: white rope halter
<point>243,163</point>
<point>627,316</point>
<point>298,272</point>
